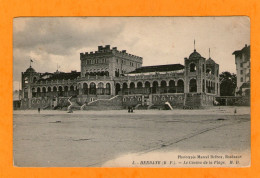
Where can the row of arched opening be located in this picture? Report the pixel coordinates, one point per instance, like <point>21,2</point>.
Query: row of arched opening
<point>101,73</point>
<point>209,88</point>
<point>150,87</point>
<point>193,68</point>
<point>55,91</point>
<point>100,89</point>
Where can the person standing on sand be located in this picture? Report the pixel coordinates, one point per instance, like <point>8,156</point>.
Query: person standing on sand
<point>39,110</point>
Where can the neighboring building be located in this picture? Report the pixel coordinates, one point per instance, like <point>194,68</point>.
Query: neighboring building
<point>113,79</point>
<point>242,59</point>
<point>16,99</point>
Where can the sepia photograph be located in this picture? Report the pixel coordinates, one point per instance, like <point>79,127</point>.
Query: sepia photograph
<point>131,92</point>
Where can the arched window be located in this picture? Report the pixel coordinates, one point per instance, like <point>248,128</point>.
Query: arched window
<point>163,87</point>
<point>71,88</point>
<point>172,88</point>
<point>139,85</point>
<point>92,89</point>
<point>147,84</point>
<point>49,89</point>
<point>192,67</point>
<point>163,83</point>
<point>208,71</point>
<point>193,85</point>
<point>147,87</point>
<point>108,89</point>
<point>33,92</point>
<point>34,79</point>
<point>54,89</point>
<point>180,86</point>
<point>100,85</point>
<point>132,85</point>
<point>118,88</point>
<point>125,88</point>
<point>66,88</point>
<point>60,88</point>
<point>85,88</point>
<point>155,87</point>
<point>60,91</point>
<point>100,90</point>
<point>26,80</point>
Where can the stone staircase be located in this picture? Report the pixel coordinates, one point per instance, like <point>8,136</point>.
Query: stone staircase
<point>73,100</point>
<point>113,103</point>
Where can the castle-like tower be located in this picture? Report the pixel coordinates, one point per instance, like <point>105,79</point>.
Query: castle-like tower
<point>108,62</point>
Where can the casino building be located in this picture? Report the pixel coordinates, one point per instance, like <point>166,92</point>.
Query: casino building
<point>114,79</point>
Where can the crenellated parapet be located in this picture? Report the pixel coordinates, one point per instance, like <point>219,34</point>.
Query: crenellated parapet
<point>107,51</point>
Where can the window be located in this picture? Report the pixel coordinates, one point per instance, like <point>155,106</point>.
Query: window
<point>241,71</point>
<point>241,64</point>
<point>208,71</point>
<point>163,98</point>
<point>139,99</point>
<point>124,99</point>
<point>192,67</point>
<point>26,80</point>
<point>193,85</point>
<point>241,79</point>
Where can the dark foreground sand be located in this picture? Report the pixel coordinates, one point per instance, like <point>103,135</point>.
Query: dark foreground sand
<point>117,138</point>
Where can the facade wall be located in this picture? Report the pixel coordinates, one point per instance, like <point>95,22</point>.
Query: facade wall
<point>105,60</point>
<point>242,61</point>
<point>100,82</point>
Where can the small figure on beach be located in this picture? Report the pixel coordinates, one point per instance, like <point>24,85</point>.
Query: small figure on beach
<point>132,109</point>
<point>235,111</point>
<point>39,110</point>
<point>129,109</point>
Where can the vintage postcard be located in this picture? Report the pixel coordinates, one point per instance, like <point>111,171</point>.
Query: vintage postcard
<point>131,92</point>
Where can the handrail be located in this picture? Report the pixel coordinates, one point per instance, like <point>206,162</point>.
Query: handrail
<point>102,99</point>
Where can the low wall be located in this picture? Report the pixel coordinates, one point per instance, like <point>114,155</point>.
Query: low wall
<point>233,100</point>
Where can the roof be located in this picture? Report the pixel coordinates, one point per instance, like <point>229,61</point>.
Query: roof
<point>245,50</point>
<point>30,69</point>
<point>60,76</point>
<point>195,54</point>
<point>245,85</point>
<point>158,68</point>
<point>211,61</point>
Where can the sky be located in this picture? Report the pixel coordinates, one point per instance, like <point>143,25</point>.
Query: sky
<point>58,41</point>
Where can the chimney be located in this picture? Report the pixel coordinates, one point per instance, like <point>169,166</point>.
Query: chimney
<point>123,51</point>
